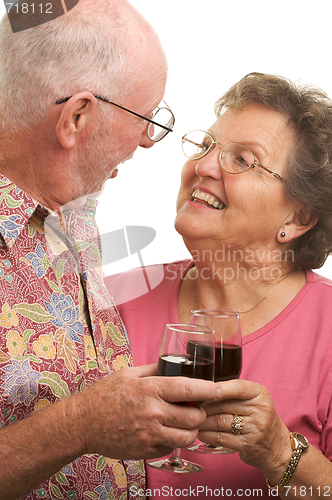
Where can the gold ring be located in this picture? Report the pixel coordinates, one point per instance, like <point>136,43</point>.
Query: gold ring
<point>237,424</point>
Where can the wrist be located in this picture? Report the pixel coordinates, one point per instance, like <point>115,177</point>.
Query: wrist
<point>273,460</point>
<point>74,424</point>
<point>81,420</point>
<point>58,421</point>
<point>298,445</point>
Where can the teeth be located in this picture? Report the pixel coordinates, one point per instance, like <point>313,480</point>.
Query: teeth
<point>211,200</point>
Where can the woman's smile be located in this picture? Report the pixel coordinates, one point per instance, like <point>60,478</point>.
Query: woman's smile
<point>206,199</point>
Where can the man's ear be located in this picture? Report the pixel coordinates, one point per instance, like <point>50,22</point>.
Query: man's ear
<point>78,117</point>
<point>296,224</point>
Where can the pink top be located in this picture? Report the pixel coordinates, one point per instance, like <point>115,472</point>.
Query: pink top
<point>291,356</point>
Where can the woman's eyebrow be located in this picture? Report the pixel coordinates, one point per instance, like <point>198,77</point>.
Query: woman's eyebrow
<point>252,145</point>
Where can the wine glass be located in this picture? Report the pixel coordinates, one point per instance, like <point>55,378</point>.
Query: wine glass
<point>228,355</point>
<point>186,351</point>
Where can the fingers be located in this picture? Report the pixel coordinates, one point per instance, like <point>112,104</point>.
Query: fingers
<point>177,389</point>
<point>225,440</point>
<point>239,389</point>
<point>218,430</point>
<point>245,419</point>
<point>142,371</point>
<point>132,414</point>
<point>241,397</point>
<point>235,424</point>
<point>227,430</point>
<point>174,437</point>
<point>183,389</point>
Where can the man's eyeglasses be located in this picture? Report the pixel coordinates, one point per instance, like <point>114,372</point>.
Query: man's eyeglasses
<point>234,158</point>
<point>156,130</point>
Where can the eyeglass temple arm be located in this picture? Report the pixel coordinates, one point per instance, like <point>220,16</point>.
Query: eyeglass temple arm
<point>277,176</point>
<point>191,142</point>
<point>61,101</point>
<point>136,114</point>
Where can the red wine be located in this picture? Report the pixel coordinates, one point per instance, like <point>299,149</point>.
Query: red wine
<point>228,362</point>
<point>228,358</point>
<point>185,365</point>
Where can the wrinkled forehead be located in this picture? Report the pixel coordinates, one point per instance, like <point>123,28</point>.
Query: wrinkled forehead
<point>254,121</point>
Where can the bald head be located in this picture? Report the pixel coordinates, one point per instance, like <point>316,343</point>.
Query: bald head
<point>103,46</point>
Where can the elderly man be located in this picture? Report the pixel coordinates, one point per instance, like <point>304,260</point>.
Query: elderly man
<point>69,431</point>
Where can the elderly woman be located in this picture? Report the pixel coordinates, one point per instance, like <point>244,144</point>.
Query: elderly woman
<point>255,212</point>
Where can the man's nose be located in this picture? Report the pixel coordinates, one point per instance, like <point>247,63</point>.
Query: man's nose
<point>145,142</point>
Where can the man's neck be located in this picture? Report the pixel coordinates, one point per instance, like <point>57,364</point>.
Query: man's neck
<point>39,171</point>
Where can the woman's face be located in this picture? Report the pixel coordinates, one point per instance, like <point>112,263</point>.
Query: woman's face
<point>254,206</point>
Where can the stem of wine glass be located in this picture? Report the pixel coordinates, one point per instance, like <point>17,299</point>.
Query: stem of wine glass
<point>175,458</point>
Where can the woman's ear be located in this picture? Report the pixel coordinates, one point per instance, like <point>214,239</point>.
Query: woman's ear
<point>77,119</point>
<point>298,223</point>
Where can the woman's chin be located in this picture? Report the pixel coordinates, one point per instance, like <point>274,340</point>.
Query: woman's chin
<point>189,227</point>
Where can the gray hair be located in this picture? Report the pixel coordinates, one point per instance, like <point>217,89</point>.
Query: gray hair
<point>308,174</point>
<point>73,53</point>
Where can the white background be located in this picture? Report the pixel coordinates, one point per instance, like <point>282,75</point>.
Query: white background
<point>210,45</point>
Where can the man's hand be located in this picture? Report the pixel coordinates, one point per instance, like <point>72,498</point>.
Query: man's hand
<point>131,414</point>
<point>128,415</point>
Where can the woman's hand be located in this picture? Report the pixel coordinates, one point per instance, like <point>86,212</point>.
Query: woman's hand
<point>264,439</point>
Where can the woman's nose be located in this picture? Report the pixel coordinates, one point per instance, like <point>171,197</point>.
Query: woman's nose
<point>209,165</point>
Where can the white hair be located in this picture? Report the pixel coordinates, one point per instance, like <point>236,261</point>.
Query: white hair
<point>76,52</point>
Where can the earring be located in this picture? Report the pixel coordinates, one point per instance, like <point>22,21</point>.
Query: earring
<point>282,234</point>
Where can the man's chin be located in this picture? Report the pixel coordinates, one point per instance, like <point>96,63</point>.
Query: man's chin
<point>116,170</point>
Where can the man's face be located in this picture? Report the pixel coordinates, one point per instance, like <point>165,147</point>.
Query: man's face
<point>120,133</point>
<point>129,131</point>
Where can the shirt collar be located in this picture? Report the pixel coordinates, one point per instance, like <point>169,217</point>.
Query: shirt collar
<point>16,210</point>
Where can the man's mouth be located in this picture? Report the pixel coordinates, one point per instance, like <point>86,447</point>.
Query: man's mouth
<point>207,199</point>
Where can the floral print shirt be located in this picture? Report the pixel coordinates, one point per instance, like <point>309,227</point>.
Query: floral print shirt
<point>59,331</point>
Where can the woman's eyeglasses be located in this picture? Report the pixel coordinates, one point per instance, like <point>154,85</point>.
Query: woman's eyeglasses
<point>234,158</point>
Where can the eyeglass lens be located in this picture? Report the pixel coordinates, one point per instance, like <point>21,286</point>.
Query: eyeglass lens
<point>234,157</point>
<point>163,116</point>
